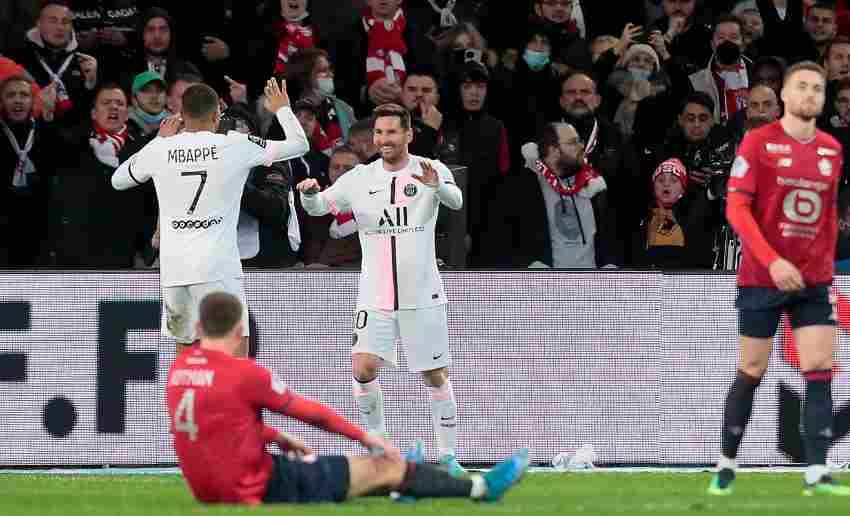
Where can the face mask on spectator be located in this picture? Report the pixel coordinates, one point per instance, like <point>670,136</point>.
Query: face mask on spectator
<point>728,53</point>
<point>325,85</point>
<point>639,73</point>
<point>536,60</point>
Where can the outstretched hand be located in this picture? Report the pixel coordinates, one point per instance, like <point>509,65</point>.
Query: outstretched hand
<point>275,95</point>
<point>429,176</point>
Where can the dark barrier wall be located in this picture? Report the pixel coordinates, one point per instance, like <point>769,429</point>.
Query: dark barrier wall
<point>636,364</point>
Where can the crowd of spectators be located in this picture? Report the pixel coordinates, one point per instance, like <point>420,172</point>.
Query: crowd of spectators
<point>590,133</point>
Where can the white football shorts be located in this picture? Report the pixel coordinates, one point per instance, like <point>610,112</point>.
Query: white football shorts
<point>424,333</point>
<point>180,307</point>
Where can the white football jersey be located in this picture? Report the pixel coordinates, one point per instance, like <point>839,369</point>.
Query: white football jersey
<point>199,179</point>
<point>396,216</point>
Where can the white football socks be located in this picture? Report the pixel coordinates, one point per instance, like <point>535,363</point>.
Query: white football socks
<point>444,417</point>
<point>370,403</point>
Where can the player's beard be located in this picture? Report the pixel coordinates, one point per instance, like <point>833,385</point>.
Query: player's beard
<point>395,154</point>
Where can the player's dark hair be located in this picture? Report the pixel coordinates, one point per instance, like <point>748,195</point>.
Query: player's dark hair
<point>219,314</point>
<point>803,66</point>
<point>700,98</point>
<point>827,6</point>
<point>423,72</point>
<point>199,102</point>
<point>345,149</point>
<point>61,3</point>
<point>107,86</point>
<point>364,125</point>
<point>728,18</point>
<point>834,42</point>
<point>573,73</point>
<point>393,110</point>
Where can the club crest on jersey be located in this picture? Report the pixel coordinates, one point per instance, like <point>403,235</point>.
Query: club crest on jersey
<point>826,151</point>
<point>825,167</point>
<point>410,190</point>
<point>739,168</point>
<point>777,148</point>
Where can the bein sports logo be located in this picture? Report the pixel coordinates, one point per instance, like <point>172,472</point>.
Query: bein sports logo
<point>790,438</point>
<point>195,224</point>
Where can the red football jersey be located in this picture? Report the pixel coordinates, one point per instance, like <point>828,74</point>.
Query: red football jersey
<point>794,186</point>
<point>214,406</point>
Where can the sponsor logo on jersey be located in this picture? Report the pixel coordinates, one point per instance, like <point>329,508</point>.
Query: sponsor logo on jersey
<point>410,190</point>
<point>195,224</point>
<point>826,151</point>
<point>740,168</point>
<point>825,167</point>
<point>777,148</point>
<point>784,162</point>
<point>259,141</point>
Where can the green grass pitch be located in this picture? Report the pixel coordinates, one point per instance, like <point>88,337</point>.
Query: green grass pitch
<point>539,493</point>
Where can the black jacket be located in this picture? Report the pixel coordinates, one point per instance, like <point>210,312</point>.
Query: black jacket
<point>30,58</point>
<point>23,210</point>
<point>477,141</point>
<point>692,49</point>
<point>268,201</point>
<point>92,225</point>
<point>696,216</point>
<point>785,38</point>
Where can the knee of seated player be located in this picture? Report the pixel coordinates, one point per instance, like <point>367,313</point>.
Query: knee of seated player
<point>754,367</point>
<point>435,377</point>
<point>365,366</point>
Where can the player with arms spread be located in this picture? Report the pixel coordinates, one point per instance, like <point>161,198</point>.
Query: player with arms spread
<point>782,203</point>
<point>199,177</point>
<point>395,201</point>
<point>213,401</point>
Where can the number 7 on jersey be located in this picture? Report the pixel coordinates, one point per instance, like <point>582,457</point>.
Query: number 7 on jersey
<point>203,176</point>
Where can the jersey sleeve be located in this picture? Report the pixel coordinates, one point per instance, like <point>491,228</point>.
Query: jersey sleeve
<point>263,390</point>
<point>334,199</point>
<point>258,151</point>
<point>742,178</point>
<point>135,171</point>
<point>447,191</point>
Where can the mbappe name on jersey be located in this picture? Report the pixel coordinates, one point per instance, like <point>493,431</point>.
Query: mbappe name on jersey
<point>180,156</point>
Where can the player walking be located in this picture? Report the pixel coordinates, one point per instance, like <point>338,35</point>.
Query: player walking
<point>213,402</point>
<point>782,203</point>
<point>199,177</point>
<point>395,201</point>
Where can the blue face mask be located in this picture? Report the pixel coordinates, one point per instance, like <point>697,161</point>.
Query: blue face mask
<point>640,73</point>
<point>536,60</point>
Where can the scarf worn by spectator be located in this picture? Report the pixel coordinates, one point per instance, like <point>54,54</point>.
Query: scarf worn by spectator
<point>24,166</point>
<point>106,144</point>
<point>733,86</point>
<point>343,226</point>
<point>386,48</point>
<point>585,177</point>
<point>292,37</point>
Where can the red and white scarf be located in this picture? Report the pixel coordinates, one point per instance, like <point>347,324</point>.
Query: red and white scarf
<point>343,226</point>
<point>106,144</point>
<point>582,178</point>
<point>292,37</point>
<point>386,48</point>
<point>24,165</point>
<point>63,99</point>
<point>733,86</point>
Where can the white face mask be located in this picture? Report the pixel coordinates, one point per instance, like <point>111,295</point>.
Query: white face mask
<point>325,85</point>
<point>639,73</point>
